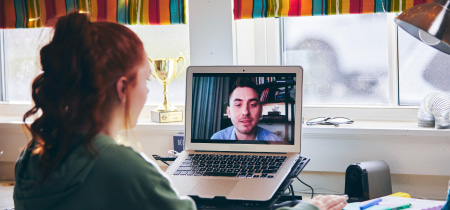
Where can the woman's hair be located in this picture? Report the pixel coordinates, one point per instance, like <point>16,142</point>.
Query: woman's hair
<point>76,92</point>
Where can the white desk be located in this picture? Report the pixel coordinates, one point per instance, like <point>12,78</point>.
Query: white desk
<point>7,188</point>
<point>392,201</point>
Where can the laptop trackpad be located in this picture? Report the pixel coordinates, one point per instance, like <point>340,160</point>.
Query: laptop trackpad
<point>214,187</point>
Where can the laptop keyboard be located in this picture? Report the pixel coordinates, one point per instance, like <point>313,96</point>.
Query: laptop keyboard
<point>243,166</point>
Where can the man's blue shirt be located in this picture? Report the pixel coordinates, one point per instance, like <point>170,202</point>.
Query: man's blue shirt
<point>261,135</point>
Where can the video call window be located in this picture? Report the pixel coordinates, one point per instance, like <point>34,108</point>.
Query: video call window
<point>250,109</point>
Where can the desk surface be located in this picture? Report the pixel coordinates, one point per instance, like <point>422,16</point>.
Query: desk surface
<point>7,188</point>
<point>393,201</point>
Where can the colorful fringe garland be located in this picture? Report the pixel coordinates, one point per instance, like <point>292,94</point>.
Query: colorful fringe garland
<point>39,13</point>
<point>247,9</point>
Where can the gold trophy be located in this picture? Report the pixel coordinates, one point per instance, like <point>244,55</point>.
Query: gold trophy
<point>166,69</point>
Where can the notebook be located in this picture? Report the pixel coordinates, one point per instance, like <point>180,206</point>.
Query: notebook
<point>242,131</point>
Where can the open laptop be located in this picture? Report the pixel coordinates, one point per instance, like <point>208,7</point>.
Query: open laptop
<point>214,165</point>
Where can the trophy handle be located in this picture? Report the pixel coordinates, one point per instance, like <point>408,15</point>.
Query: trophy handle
<point>184,62</point>
<point>151,72</point>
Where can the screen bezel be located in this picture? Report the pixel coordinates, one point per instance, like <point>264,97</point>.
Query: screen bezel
<point>274,148</point>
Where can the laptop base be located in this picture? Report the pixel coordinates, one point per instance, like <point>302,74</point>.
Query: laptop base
<point>279,199</point>
<point>223,203</point>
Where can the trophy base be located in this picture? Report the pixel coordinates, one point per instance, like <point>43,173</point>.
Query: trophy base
<point>165,117</point>
<point>166,108</point>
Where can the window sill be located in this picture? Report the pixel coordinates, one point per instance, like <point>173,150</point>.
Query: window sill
<point>154,126</point>
<point>13,114</point>
<point>375,128</point>
<point>357,128</point>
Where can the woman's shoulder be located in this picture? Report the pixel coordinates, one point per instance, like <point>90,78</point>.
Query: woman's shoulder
<point>121,165</point>
<point>108,147</point>
<point>119,157</point>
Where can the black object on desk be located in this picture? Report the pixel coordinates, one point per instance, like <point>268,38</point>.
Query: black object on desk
<point>278,200</point>
<point>367,180</point>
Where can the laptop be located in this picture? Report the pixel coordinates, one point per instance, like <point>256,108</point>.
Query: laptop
<point>224,156</point>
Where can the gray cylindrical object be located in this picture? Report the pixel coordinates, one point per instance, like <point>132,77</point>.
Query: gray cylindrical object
<point>367,180</point>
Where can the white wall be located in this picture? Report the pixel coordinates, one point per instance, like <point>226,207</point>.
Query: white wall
<point>210,32</point>
<point>12,141</point>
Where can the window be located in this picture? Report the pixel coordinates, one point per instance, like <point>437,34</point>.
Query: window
<point>346,61</point>
<point>21,55</point>
<point>344,58</point>
<point>422,70</point>
<point>2,67</point>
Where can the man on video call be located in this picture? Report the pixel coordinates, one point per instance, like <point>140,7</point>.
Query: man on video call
<point>245,111</point>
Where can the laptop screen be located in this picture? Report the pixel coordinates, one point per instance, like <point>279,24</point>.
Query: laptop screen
<point>243,107</point>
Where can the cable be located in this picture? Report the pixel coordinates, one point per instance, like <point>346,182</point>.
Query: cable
<point>292,191</point>
<point>312,190</point>
<point>289,191</point>
<point>164,159</point>
<point>317,191</point>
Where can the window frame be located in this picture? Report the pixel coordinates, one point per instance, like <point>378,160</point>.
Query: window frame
<point>268,51</point>
<point>3,96</point>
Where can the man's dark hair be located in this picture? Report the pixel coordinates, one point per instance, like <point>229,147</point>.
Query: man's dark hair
<point>244,82</point>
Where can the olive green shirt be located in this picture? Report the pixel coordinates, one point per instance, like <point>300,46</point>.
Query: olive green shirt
<point>116,178</point>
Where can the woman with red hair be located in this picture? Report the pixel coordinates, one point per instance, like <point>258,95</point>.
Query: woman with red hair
<point>92,86</point>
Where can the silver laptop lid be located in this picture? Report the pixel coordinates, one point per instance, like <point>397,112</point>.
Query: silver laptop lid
<point>244,108</point>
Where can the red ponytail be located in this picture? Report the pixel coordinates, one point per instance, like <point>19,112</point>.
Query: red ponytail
<point>75,93</point>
